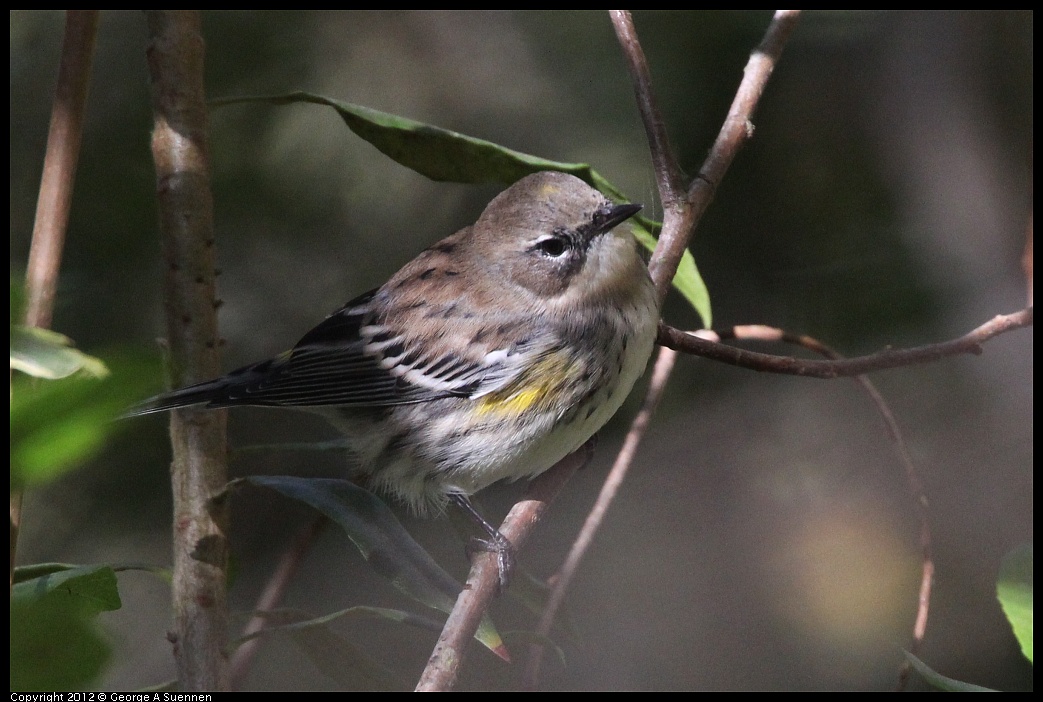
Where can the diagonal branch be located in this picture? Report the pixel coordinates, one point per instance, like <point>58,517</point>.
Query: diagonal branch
<point>484,580</point>
<point>683,209</point>
<point>660,375</point>
<point>668,173</point>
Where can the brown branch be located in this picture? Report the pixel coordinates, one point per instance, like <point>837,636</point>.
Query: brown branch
<point>198,471</point>
<point>660,375</point>
<point>484,580</point>
<point>683,210</point>
<point>888,358</point>
<point>679,217</point>
<point>59,165</point>
<point>64,137</point>
<point>668,173</point>
<point>1026,260</point>
<point>916,487</point>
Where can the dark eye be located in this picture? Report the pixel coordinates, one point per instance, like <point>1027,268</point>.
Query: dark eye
<point>552,246</point>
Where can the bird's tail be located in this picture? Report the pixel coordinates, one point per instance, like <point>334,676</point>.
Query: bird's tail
<point>210,393</point>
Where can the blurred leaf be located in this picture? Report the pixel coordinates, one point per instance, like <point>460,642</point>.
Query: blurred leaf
<point>286,619</point>
<point>55,643</point>
<point>92,588</point>
<point>58,424</point>
<point>383,542</point>
<point>445,155</point>
<point>1014,590</point>
<point>940,681</point>
<point>336,657</point>
<point>36,570</point>
<point>17,299</point>
<point>534,639</point>
<point>687,280</point>
<point>43,353</point>
<point>534,594</point>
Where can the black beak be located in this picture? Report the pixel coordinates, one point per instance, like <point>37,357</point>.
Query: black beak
<point>611,215</point>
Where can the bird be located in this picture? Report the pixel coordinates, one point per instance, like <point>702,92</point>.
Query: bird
<point>491,355</point>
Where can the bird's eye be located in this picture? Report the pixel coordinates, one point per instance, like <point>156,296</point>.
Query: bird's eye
<point>552,246</point>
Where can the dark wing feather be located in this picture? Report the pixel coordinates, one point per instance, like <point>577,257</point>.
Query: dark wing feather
<point>328,366</point>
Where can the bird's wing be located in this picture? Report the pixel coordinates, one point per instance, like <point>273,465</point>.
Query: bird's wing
<point>353,358</point>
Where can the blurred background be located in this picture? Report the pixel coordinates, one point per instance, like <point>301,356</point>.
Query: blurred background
<point>766,538</point>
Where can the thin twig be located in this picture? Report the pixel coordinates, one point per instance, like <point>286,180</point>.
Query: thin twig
<point>1026,260</point>
<point>198,471</point>
<point>969,343</point>
<point>483,582</point>
<point>668,173</point>
<point>56,186</point>
<point>270,598</point>
<point>682,210</point>
<point>916,487</point>
<point>660,375</point>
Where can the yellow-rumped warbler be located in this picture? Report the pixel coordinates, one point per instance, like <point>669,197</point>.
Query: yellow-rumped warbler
<point>493,354</point>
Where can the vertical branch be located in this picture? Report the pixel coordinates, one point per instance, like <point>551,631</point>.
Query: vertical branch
<point>1026,260</point>
<point>198,471</point>
<point>59,165</point>
<point>668,173</point>
<point>56,185</point>
<point>682,210</point>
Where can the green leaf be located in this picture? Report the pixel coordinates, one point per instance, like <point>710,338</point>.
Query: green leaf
<point>92,588</point>
<point>55,642</point>
<point>940,681</point>
<point>445,155</point>
<point>687,280</point>
<point>440,154</point>
<point>43,353</point>
<point>1014,590</point>
<point>383,541</point>
<point>58,424</point>
<point>36,570</point>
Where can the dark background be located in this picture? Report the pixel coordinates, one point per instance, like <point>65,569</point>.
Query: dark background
<point>766,537</point>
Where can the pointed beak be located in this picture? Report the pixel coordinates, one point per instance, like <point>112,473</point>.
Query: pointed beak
<point>612,215</point>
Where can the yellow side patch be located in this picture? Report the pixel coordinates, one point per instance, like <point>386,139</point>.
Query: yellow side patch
<point>552,373</point>
<point>509,402</point>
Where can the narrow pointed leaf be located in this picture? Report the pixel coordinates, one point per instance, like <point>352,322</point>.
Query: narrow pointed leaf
<point>382,540</point>
<point>440,154</point>
<point>1014,590</point>
<point>445,155</point>
<point>687,280</point>
<point>940,681</point>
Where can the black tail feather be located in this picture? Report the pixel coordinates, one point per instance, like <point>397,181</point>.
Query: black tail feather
<point>210,393</point>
